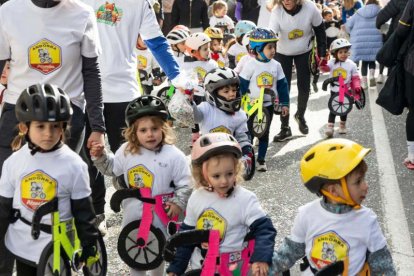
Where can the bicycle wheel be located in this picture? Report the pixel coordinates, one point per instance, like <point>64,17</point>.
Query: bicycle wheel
<point>141,258</point>
<point>45,266</point>
<point>360,104</point>
<point>162,93</point>
<point>313,66</point>
<point>260,127</point>
<point>100,267</point>
<point>338,108</point>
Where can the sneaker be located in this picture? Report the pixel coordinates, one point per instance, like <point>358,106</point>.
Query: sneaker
<point>261,166</point>
<point>408,164</point>
<point>284,134</point>
<point>255,142</point>
<point>342,128</point>
<point>315,87</point>
<point>372,82</point>
<point>380,79</point>
<point>101,224</point>
<point>303,127</point>
<point>364,83</point>
<point>329,131</point>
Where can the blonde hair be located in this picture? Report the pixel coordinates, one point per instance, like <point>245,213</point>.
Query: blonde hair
<point>197,170</point>
<point>130,134</point>
<point>218,5</point>
<point>349,4</point>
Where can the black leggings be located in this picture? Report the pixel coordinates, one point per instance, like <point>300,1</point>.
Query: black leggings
<point>303,79</point>
<point>364,67</point>
<point>409,123</point>
<point>24,269</point>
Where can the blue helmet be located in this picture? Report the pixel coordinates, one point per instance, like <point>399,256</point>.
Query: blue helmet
<point>259,37</point>
<point>243,27</point>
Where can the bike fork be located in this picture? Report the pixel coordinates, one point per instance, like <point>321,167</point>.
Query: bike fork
<point>146,220</point>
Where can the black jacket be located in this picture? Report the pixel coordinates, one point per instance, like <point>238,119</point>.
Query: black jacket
<point>393,10</point>
<point>194,17</point>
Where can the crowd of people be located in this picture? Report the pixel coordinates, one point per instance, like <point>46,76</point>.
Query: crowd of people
<point>75,71</point>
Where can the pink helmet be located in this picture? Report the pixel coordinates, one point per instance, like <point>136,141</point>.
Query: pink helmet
<point>212,144</point>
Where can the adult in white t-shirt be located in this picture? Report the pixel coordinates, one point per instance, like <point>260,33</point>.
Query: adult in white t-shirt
<point>296,22</point>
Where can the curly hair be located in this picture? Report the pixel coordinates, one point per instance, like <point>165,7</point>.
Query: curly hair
<point>197,170</point>
<point>130,134</point>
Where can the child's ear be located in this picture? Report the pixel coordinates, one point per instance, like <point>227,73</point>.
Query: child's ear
<point>23,128</point>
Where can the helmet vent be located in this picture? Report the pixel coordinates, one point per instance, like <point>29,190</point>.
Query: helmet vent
<point>205,142</point>
<point>310,157</point>
<point>49,90</point>
<point>32,90</point>
<point>335,148</point>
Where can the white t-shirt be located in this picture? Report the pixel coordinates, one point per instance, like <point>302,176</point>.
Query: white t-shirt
<point>264,14</point>
<point>119,24</point>
<point>238,51</point>
<point>34,179</point>
<point>232,216</point>
<point>151,169</point>
<point>222,61</point>
<point>225,19</point>
<point>331,237</point>
<point>146,62</point>
<point>212,119</point>
<point>47,45</point>
<point>347,69</point>
<point>262,74</point>
<point>198,69</point>
<point>295,32</point>
<point>242,62</point>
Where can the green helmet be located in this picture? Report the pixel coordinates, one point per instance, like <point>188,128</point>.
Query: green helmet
<point>145,106</point>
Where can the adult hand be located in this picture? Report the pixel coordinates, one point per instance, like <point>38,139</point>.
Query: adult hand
<point>97,137</point>
<point>260,269</point>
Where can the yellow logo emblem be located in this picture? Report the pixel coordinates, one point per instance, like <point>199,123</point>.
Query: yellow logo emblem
<point>211,219</point>
<point>265,79</point>
<point>45,56</point>
<point>37,188</point>
<point>139,177</point>
<point>296,33</point>
<point>339,72</point>
<point>328,248</point>
<point>142,62</point>
<point>221,129</point>
<point>239,56</point>
<point>200,73</point>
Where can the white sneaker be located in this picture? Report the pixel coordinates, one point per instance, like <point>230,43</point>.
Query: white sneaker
<point>372,82</point>
<point>380,79</point>
<point>261,166</point>
<point>101,224</point>
<point>255,142</point>
<point>364,83</point>
<point>342,128</point>
<point>329,131</point>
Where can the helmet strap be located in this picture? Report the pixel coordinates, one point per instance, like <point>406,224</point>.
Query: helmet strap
<point>347,200</point>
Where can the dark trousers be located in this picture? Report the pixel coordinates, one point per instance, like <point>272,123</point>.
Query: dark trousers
<point>303,79</point>
<point>264,140</point>
<point>24,269</point>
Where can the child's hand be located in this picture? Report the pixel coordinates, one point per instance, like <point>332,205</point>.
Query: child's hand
<point>156,82</point>
<point>260,269</point>
<point>285,111</point>
<point>173,209</point>
<point>96,149</point>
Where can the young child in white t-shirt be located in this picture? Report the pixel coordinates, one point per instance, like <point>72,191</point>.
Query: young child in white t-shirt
<point>237,50</point>
<point>148,159</point>
<point>264,72</point>
<point>220,17</point>
<point>3,82</point>
<point>340,64</point>
<point>335,230</point>
<point>219,203</point>
<point>176,38</point>
<point>39,171</point>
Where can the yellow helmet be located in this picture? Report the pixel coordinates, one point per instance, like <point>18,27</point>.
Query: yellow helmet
<point>330,161</point>
<point>214,33</point>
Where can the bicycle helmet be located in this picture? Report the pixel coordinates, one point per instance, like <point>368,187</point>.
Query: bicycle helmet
<point>330,161</point>
<point>243,27</point>
<point>259,37</point>
<point>182,27</point>
<point>216,79</point>
<point>194,42</point>
<point>339,43</point>
<point>43,103</point>
<point>145,106</point>
<point>214,33</point>
<point>212,144</point>
<point>177,36</point>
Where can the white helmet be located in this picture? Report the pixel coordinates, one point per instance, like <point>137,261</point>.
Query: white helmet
<point>216,79</point>
<point>196,40</point>
<point>177,36</point>
<point>339,44</point>
<point>246,39</point>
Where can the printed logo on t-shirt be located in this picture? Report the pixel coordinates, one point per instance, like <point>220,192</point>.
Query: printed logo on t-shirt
<point>45,56</point>
<point>36,188</point>
<point>109,14</point>
<point>264,79</point>
<point>211,219</point>
<point>339,72</point>
<point>201,72</point>
<point>220,129</point>
<point>220,63</point>
<point>140,177</point>
<point>296,33</point>
<point>239,56</point>
<point>142,62</point>
<point>328,248</point>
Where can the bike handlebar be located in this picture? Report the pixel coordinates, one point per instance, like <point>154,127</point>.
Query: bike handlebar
<point>41,211</point>
<point>329,81</point>
<point>120,195</point>
<point>335,268</point>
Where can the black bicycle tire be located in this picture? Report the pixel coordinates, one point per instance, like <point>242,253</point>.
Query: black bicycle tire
<point>162,94</point>
<point>362,100</point>
<point>103,257</point>
<point>249,176</point>
<point>313,66</point>
<point>156,234</point>
<point>44,257</point>
<point>266,119</point>
<point>338,111</point>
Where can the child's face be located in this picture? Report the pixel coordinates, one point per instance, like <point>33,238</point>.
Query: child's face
<point>270,50</point>
<point>221,173</point>
<point>328,17</point>
<point>221,12</point>
<point>343,54</point>
<point>228,92</point>
<point>149,134</point>
<point>205,50</point>
<point>5,73</point>
<point>44,134</point>
<point>216,45</point>
<point>181,47</point>
<point>357,186</point>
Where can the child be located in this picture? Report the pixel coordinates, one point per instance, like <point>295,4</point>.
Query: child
<point>219,203</point>
<point>337,65</point>
<point>198,63</point>
<point>222,113</point>
<point>366,40</point>
<point>43,111</point>
<point>336,227</point>
<point>264,72</point>
<point>149,144</point>
<point>3,82</point>
<point>216,46</point>
<point>245,58</point>
<point>176,38</point>
<point>220,16</point>
<point>332,26</point>
<point>237,50</point>
<point>149,71</point>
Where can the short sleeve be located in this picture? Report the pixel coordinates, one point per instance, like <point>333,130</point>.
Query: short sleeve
<point>149,27</point>
<point>81,187</point>
<point>190,216</point>
<point>298,233</point>
<point>376,240</point>
<point>6,182</point>
<point>253,210</point>
<point>182,173</point>
<point>90,45</point>
<point>4,41</point>
<point>119,159</point>
<point>280,73</point>
<point>247,71</point>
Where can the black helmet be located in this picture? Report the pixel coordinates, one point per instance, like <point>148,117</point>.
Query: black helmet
<point>44,103</point>
<point>145,106</point>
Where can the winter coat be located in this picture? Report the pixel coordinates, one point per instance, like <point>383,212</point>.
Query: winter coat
<point>393,10</point>
<point>197,17</point>
<point>366,39</point>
